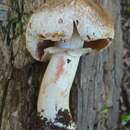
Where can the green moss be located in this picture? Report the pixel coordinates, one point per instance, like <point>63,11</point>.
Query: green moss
<point>128,8</point>
<point>105,110</point>
<point>125,118</point>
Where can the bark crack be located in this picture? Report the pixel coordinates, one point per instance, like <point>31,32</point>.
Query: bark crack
<point>4,100</point>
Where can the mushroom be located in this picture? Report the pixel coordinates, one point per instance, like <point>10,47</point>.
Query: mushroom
<point>60,32</point>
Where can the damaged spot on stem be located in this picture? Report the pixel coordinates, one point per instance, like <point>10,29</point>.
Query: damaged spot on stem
<point>60,67</point>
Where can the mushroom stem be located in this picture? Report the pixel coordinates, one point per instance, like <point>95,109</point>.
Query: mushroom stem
<point>53,101</point>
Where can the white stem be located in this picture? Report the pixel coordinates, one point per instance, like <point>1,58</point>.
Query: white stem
<point>55,87</point>
<point>53,101</point>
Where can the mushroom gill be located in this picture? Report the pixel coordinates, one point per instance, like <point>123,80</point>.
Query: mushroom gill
<point>97,44</point>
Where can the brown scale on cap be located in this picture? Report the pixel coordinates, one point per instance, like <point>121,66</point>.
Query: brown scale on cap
<point>106,19</point>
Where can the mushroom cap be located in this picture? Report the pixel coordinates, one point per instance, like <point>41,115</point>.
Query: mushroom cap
<point>56,22</point>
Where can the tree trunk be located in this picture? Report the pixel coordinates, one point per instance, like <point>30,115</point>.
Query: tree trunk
<point>126,57</point>
<point>95,94</point>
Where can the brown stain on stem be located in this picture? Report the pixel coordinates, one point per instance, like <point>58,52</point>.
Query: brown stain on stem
<point>64,93</point>
<point>60,67</point>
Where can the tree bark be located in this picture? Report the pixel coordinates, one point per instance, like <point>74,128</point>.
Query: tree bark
<point>126,57</point>
<point>95,94</point>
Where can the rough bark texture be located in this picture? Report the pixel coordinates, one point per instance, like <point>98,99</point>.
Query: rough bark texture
<point>125,93</point>
<point>100,79</point>
<point>126,54</point>
<point>96,86</point>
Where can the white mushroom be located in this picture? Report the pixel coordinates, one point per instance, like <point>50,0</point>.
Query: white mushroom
<point>61,32</point>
